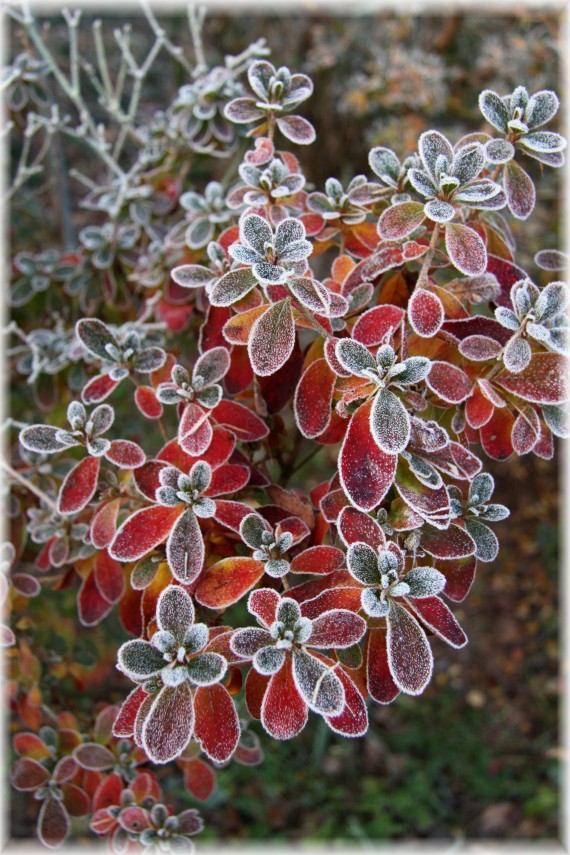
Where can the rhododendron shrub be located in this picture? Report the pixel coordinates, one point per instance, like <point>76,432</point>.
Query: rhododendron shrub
<point>387,322</point>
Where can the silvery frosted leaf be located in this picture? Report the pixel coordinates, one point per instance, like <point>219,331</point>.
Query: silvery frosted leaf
<point>551,158</point>
<point>251,530</point>
<point>243,110</point>
<point>518,99</point>
<point>425,472</point>
<point>421,182</point>
<point>409,655</point>
<point>384,163</point>
<point>558,340</point>
<point>76,415</point>
<point>192,275</point>
<point>118,372</point>
<point>260,74</point>
<point>494,513</point>
<point>465,249</point>
<point>520,190</point>
<point>362,563</point>
<point>557,420</point>
<point>256,232</point>
<point>297,250</point>
<point>163,640</point>
<point>288,612</point>
<point>507,318</point>
<point>321,204</point>
<point>468,162</point>
<point>232,287</point>
<point>424,582</point>
<point>175,611</point>
<point>101,419</point>
<point>277,567</point>
<point>212,365</point>
<point>205,508</point>
<point>485,540</point>
<point>285,542</point>
<point>546,141</point>
<point>517,355</point>
<point>210,397</point>
<point>139,660</point>
<point>318,685</point>
<point>491,203</point>
<point>494,109</point>
<point>149,360</point>
<point>288,231</point>
<point>167,496</point>
<point>538,332</point>
<point>386,356</point>
<point>481,489</point>
<point>372,603</point>
<point>541,107</point>
<point>431,146</point>
<point>199,233</point>
<point>174,676</point>
<point>334,188</point>
<point>479,191</point>
<point>268,660</point>
<point>98,447</point>
<point>195,638</point>
<point>207,669</point>
<point>95,336</point>
<point>169,476</point>
<point>389,422</point>
<point>553,300</point>
<point>439,211</point>
<point>551,259</point>
<point>246,642</point>
<point>297,129</point>
<point>355,357</point>
<point>272,274</point>
<point>499,151</point>
<point>41,439</point>
<point>412,370</point>
<point>244,254</point>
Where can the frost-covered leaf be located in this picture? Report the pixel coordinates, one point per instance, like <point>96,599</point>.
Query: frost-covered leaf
<point>42,439</point>
<point>481,489</point>
<point>246,642</point>
<point>174,611</point>
<point>424,582</point>
<point>169,723</point>
<point>283,710</point>
<point>143,531</point>
<point>465,249</point>
<point>297,129</point>
<point>268,660</point>
<point>366,472</point>
<point>228,580</point>
<point>79,486</point>
<point>318,685</point>
<point>479,348</point>
<point>468,162</point>
<point>551,259</point>
<point>400,220</point>
<point>389,422</point>
<point>409,654</point>
<point>53,823</point>
<point>139,660</point>
<point>439,211</point>
<point>96,337</point>
<point>385,164</point>
<point>217,727</point>
<point>449,382</point>
<point>125,454</point>
<point>519,187</point>
<point>362,563</point>
<point>494,109</point>
<point>185,548</point>
<point>557,420</point>
<point>212,366</point>
<point>499,151</point>
<point>431,146</point>
<point>192,276</point>
<point>543,381</point>
<point>232,287</point>
<point>355,357</point>
<point>517,355</point>
<point>272,339</point>
<point>206,669</point>
<point>337,628</point>
<point>243,111</point>
<point>313,398</point>
<point>485,540</point>
<point>425,313</point>
<point>541,107</point>
<point>552,301</point>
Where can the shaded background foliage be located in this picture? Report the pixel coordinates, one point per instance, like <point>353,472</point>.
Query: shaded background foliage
<point>477,755</point>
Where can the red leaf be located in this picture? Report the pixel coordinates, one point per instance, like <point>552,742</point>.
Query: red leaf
<point>230,514</point>
<point>30,745</point>
<point>526,431</point>
<point>313,398</point>
<point>98,388</point>
<point>108,577</point>
<point>544,381</point>
<point>381,685</point>
<point>409,655</point>
<point>459,575</point>
<point>435,614</point>
<point>216,726</point>
<point>496,434</point>
<point>125,454</point>
<point>79,486</point>
<point>143,531</point>
<point>449,382</point>
<point>465,249</point>
<point>378,324</point>
<point>255,688</point>
<point>366,472</point>
<point>425,313</point>
<point>185,548</point>
<point>507,274</point>
<point>354,526</point>
<point>194,430</point>
<point>134,819</point>
<point>109,791</point>
<point>283,711</point>
<point>53,823</point>
<point>432,505</point>
<point>147,402</point>
<point>169,723</point>
<point>453,542</point>
<point>353,720</point>
<point>478,408</point>
<point>199,779</point>
<point>337,628</point>
<point>146,477</point>
<point>335,598</point>
<point>27,774</point>
<point>278,389</point>
<point>103,524</point>
<point>318,559</point>
<point>400,220</point>
<point>227,581</point>
<point>242,422</point>
<point>91,605</point>
<point>93,756</point>
<point>263,604</point>
<point>125,721</point>
<point>228,478</point>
